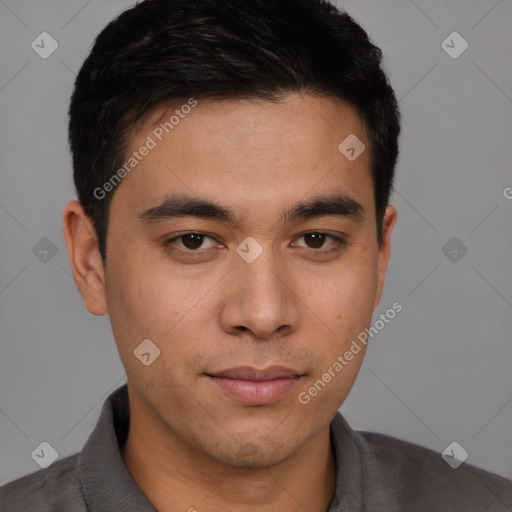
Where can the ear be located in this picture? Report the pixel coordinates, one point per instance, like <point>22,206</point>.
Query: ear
<point>85,258</point>
<point>388,223</point>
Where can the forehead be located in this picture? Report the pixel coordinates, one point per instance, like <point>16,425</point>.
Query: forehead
<point>252,151</point>
<point>294,117</point>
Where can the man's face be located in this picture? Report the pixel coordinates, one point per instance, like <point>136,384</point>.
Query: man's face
<point>208,308</point>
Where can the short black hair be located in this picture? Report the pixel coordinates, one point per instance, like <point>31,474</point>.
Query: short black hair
<point>165,50</point>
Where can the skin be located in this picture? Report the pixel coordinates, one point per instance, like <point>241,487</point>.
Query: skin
<point>190,444</point>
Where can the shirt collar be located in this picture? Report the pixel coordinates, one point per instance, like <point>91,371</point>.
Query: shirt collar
<point>349,493</point>
<point>106,482</point>
<point>108,485</point>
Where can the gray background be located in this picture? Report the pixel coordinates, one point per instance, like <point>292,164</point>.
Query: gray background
<point>439,372</point>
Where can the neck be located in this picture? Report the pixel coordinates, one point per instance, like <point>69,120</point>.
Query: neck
<point>174,476</point>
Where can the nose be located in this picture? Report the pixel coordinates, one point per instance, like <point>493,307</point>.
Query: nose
<point>261,298</point>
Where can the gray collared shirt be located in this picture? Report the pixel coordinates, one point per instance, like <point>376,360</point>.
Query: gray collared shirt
<point>374,473</point>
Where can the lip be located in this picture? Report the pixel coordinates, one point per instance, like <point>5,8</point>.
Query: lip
<point>253,386</point>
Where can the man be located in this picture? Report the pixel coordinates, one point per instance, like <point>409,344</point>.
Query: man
<point>233,162</point>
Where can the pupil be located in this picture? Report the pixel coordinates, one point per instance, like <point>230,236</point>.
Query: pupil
<point>195,244</point>
<point>318,239</point>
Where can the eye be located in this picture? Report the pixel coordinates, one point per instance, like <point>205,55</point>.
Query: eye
<point>316,239</point>
<point>191,242</point>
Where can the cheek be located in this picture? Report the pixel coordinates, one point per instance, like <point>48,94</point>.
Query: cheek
<point>151,302</point>
<point>148,298</point>
<point>345,308</point>
<point>345,297</point>
<point>143,306</point>
<point>345,305</point>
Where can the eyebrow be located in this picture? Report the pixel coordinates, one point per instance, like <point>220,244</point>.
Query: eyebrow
<point>182,205</point>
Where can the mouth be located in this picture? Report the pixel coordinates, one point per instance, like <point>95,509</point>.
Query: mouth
<point>252,386</point>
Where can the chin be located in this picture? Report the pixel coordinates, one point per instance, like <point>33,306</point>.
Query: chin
<point>252,454</point>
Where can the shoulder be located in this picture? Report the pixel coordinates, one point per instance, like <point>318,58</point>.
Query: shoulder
<point>54,488</point>
<point>425,480</point>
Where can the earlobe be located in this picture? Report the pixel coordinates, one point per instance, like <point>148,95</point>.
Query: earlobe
<point>84,257</point>
<point>388,224</point>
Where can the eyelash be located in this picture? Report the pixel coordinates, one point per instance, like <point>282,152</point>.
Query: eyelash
<point>337,245</point>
